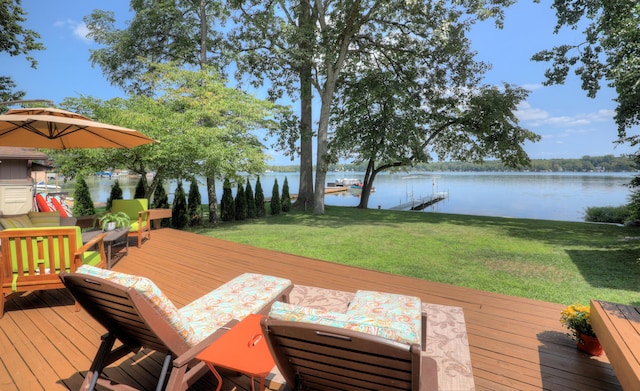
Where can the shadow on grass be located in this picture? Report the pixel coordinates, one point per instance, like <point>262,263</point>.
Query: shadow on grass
<point>608,269</point>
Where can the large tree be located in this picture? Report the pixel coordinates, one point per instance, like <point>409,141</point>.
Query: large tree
<point>609,52</point>
<point>387,122</point>
<point>16,41</point>
<point>339,34</point>
<point>203,128</point>
<point>161,31</point>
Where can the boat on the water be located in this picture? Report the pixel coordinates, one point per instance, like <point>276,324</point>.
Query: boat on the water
<point>346,182</point>
<point>47,186</point>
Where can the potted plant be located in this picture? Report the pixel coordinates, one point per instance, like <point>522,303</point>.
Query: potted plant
<point>111,221</point>
<point>577,318</point>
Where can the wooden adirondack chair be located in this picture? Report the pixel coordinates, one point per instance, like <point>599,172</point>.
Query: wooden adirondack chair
<point>138,212</point>
<point>32,258</point>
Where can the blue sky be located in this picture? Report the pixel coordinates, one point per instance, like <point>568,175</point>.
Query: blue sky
<point>571,125</point>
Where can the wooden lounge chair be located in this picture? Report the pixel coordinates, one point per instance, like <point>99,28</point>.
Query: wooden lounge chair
<point>320,357</point>
<point>138,212</point>
<point>135,312</point>
<point>31,258</point>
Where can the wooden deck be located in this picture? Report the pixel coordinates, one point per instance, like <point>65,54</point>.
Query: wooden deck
<point>515,343</point>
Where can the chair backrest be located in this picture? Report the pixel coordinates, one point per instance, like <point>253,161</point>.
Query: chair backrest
<point>38,252</point>
<point>319,357</point>
<point>130,207</point>
<point>126,313</point>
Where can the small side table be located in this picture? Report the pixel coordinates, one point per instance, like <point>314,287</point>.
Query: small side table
<point>109,240</point>
<point>243,349</point>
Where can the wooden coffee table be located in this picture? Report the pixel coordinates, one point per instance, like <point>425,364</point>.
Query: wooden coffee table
<point>243,349</point>
<point>109,240</point>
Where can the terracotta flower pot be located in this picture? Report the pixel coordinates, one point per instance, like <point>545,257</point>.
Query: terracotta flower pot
<point>589,345</point>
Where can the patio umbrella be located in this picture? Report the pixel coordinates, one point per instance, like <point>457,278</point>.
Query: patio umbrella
<point>59,129</point>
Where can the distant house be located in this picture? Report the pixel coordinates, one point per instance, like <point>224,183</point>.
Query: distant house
<point>16,183</point>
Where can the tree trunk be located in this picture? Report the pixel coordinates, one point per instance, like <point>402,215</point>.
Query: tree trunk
<point>213,199</point>
<point>369,177</point>
<point>305,189</point>
<point>322,159</point>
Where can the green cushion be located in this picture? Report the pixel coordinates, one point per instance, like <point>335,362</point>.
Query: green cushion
<point>88,257</point>
<point>130,207</point>
<point>134,226</point>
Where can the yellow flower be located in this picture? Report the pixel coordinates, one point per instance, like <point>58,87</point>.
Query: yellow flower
<point>577,318</point>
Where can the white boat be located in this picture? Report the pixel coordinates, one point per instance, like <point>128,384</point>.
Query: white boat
<point>347,181</point>
<point>46,186</point>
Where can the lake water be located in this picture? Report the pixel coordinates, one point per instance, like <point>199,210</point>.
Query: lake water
<point>553,196</point>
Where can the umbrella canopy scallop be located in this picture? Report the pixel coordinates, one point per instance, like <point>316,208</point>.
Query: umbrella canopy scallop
<point>60,129</point>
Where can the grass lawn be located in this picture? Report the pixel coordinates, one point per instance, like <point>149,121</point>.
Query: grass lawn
<point>562,262</point>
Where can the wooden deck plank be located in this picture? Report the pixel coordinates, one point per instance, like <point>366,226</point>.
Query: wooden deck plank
<point>618,329</point>
<point>515,343</point>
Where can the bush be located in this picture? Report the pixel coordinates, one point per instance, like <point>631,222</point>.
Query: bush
<point>251,201</point>
<point>82,203</point>
<point>116,194</point>
<point>634,205</point>
<point>227,209</point>
<point>260,212</point>
<point>179,212</point>
<point>194,207</point>
<point>276,206</point>
<point>160,199</point>
<point>140,188</point>
<point>241,203</point>
<point>286,198</point>
<point>607,214</point>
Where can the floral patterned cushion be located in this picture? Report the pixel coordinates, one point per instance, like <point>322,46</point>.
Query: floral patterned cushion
<point>395,331</point>
<point>151,292</point>
<point>199,319</point>
<point>398,309</point>
<point>246,294</point>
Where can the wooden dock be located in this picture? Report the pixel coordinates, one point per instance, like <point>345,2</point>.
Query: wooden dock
<point>421,203</point>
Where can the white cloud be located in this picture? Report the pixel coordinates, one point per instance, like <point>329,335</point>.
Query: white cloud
<point>535,117</point>
<point>78,29</point>
<point>81,31</point>
<point>532,87</point>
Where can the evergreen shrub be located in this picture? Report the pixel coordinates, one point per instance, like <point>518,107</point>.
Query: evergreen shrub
<point>251,201</point>
<point>241,203</point>
<point>227,208</point>
<point>140,188</point>
<point>194,205</point>
<point>179,212</point>
<point>260,211</point>
<point>286,198</point>
<point>82,202</point>
<point>116,194</point>
<point>276,206</point>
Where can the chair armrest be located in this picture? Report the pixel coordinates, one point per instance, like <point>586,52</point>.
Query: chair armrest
<point>190,354</point>
<point>143,215</point>
<point>97,241</point>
